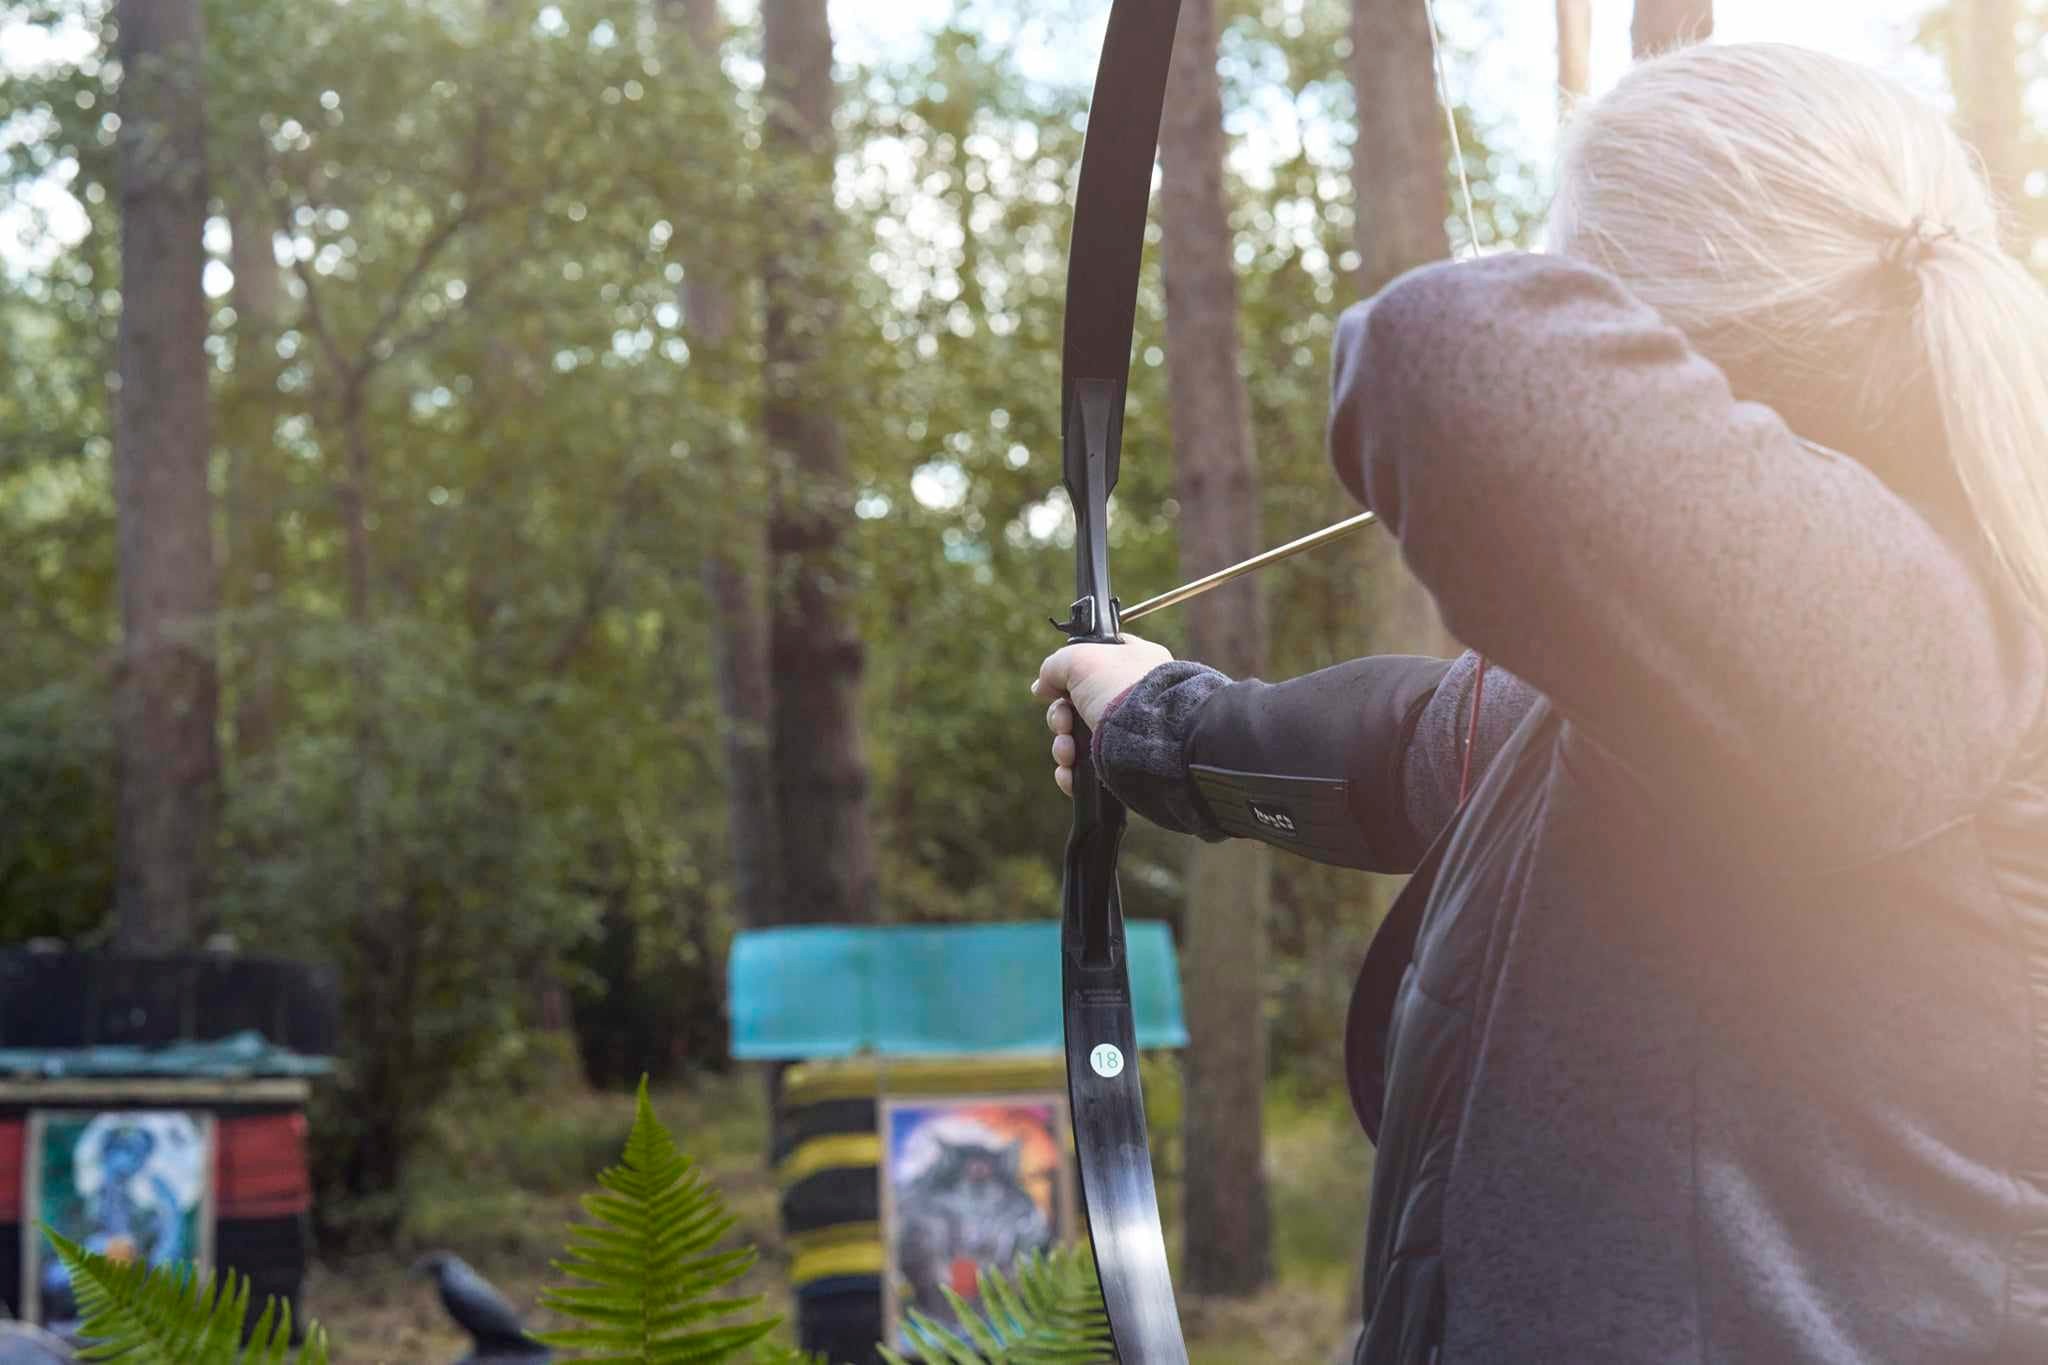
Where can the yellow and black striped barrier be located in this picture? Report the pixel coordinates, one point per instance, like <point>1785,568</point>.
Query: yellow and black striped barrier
<point>828,1166</point>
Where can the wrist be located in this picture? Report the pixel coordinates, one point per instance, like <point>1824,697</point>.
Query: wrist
<point>1095,730</point>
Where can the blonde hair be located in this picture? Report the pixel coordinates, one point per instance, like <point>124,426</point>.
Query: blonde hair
<point>1824,236</point>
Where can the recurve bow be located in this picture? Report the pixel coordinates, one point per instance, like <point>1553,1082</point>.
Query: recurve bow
<point>1104,255</point>
<point>1108,1107</point>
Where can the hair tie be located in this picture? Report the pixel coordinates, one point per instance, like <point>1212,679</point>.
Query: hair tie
<point>1912,244</point>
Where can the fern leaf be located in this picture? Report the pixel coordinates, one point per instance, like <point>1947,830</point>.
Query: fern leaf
<point>137,1314</point>
<point>1046,1311</point>
<point>769,1354</point>
<point>648,1264</point>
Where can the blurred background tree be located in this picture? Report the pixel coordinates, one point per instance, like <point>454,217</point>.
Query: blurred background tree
<point>631,462</point>
<point>633,479</point>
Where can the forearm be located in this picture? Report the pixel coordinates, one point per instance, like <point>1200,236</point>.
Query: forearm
<point>1320,765</point>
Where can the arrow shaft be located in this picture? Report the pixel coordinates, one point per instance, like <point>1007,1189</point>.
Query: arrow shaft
<point>1174,597</point>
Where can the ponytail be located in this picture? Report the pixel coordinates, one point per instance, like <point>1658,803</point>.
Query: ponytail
<point>1821,233</point>
<point>1983,323</point>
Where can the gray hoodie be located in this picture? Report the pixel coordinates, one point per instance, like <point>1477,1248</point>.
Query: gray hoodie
<point>1726,1037</point>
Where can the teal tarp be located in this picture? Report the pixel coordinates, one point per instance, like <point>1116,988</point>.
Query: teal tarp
<point>239,1054</point>
<point>927,990</point>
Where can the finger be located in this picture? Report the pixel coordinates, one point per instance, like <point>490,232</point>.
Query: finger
<point>1064,778</point>
<point>1063,750</point>
<point>1059,717</point>
<point>1055,674</point>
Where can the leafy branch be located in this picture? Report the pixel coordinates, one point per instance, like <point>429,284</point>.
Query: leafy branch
<point>650,1278</point>
<point>1047,1311</point>
<point>172,1315</point>
<point>650,1266</point>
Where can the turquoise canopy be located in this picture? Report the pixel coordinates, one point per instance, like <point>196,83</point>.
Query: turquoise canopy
<point>927,990</point>
<point>237,1055</point>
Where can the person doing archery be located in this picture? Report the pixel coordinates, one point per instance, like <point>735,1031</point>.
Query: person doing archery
<point>1722,1033</point>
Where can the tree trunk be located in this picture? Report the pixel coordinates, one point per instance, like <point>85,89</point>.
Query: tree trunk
<point>732,571</point>
<point>1227,1227</point>
<point>1989,92</point>
<point>814,653</point>
<point>1399,185</point>
<point>354,499</point>
<point>731,574</point>
<point>745,703</point>
<point>1574,50</point>
<point>255,492</point>
<point>167,700</point>
<point>1661,25</point>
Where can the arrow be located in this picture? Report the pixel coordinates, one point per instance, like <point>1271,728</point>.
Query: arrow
<point>1175,596</point>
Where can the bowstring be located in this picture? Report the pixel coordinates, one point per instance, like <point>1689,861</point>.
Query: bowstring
<point>1443,99</point>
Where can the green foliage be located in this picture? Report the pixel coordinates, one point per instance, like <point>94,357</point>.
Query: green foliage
<point>501,774</point>
<point>172,1315</point>
<point>56,877</point>
<point>650,1266</point>
<point>1047,1311</point>
<point>649,1276</point>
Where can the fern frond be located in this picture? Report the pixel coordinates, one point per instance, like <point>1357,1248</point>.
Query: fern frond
<point>648,1264</point>
<point>1046,1311</point>
<point>139,1314</point>
<point>768,1354</point>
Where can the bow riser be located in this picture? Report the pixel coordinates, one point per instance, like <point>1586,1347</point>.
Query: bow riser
<point>1108,246</point>
<point>1093,435</point>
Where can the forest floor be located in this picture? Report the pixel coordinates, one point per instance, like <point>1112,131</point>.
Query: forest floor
<point>501,1179</point>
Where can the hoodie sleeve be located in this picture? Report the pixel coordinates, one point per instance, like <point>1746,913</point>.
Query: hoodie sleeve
<point>1356,764</point>
<point>1761,631</point>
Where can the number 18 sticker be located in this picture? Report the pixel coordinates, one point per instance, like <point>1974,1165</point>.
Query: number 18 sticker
<point>1107,1060</point>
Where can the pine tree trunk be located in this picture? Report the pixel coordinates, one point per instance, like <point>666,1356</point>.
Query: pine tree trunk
<point>1574,50</point>
<point>1989,93</point>
<point>167,700</point>
<point>1661,25</point>
<point>256,490</point>
<point>1227,1227</point>
<point>1399,184</point>
<point>814,653</point>
<point>732,569</point>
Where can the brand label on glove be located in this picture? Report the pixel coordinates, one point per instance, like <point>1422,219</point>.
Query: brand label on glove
<point>1274,819</point>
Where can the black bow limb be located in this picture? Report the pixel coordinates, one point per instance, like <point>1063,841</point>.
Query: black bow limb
<point>1111,1143</point>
